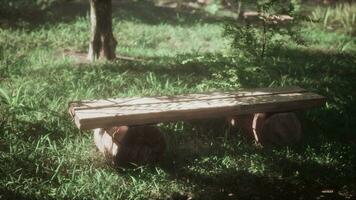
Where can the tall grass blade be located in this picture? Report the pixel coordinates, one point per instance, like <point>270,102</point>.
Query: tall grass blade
<point>4,96</point>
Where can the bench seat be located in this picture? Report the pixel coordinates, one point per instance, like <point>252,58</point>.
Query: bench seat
<point>90,114</point>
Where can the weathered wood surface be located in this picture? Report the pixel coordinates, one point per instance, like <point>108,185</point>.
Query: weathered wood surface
<point>145,110</point>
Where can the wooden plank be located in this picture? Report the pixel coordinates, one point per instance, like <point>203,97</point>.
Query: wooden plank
<point>136,114</point>
<point>103,103</point>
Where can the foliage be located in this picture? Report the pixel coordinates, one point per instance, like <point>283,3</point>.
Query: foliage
<point>341,18</point>
<point>253,39</point>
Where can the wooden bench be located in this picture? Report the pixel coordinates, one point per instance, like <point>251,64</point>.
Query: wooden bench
<point>265,114</point>
<point>91,114</point>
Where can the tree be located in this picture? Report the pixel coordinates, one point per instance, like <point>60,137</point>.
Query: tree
<point>102,41</point>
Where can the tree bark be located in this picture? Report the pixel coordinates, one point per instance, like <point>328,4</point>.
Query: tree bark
<point>102,41</point>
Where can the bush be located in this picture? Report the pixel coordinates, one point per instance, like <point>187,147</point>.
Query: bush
<point>253,39</point>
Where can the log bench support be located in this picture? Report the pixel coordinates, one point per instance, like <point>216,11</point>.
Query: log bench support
<point>124,146</point>
<point>264,114</point>
<point>269,128</point>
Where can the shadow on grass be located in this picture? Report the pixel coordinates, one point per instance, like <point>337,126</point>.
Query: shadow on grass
<point>232,184</point>
<point>11,195</point>
<point>283,176</point>
<point>201,65</point>
<point>141,11</point>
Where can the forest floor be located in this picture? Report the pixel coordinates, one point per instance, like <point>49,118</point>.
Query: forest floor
<point>174,50</point>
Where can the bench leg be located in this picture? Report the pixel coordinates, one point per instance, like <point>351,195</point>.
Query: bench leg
<point>124,145</point>
<point>270,128</point>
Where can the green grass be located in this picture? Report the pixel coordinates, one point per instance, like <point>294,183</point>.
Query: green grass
<point>341,17</point>
<point>43,155</point>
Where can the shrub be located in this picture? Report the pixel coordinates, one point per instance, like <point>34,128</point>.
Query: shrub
<point>253,39</point>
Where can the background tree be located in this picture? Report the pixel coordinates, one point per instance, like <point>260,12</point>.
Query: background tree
<point>102,41</point>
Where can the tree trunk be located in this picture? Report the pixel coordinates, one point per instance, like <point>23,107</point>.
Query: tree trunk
<point>102,41</point>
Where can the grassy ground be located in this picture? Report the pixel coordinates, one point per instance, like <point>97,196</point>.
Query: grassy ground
<point>43,156</point>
